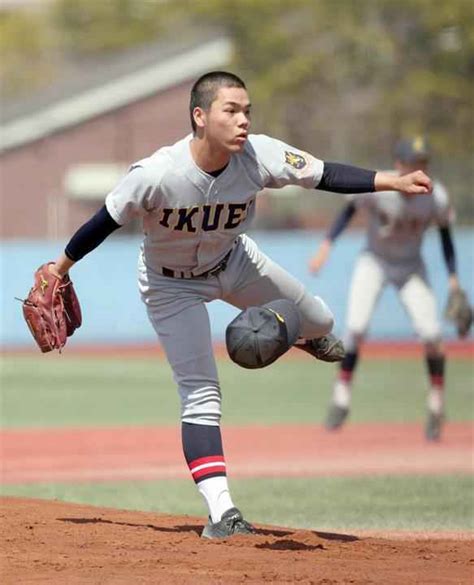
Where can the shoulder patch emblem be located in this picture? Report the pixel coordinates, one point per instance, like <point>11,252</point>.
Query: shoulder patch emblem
<point>295,160</point>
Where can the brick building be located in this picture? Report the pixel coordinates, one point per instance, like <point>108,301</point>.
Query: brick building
<point>62,151</point>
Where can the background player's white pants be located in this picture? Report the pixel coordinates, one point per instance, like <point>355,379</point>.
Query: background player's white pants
<point>370,276</point>
<point>176,309</point>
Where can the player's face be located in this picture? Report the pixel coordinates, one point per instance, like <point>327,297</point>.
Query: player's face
<point>227,122</point>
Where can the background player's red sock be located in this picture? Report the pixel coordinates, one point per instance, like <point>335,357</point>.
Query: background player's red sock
<point>435,366</point>
<point>342,387</point>
<point>202,446</point>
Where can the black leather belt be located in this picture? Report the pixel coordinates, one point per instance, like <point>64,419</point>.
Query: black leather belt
<point>220,267</point>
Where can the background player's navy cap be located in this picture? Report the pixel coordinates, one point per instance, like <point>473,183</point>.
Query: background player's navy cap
<point>260,335</point>
<point>411,150</point>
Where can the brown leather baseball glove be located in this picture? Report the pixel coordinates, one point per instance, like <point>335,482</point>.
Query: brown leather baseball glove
<point>459,311</point>
<point>51,310</point>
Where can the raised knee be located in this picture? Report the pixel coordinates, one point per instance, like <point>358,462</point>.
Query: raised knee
<point>327,323</point>
<point>325,317</point>
<point>317,319</point>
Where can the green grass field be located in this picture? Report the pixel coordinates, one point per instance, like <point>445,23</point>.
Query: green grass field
<point>54,391</point>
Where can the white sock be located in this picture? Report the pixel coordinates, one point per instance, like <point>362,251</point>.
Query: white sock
<point>436,399</point>
<point>215,491</point>
<point>342,394</point>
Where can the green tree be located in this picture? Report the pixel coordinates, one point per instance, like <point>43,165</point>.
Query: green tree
<point>91,27</point>
<point>346,78</point>
<point>25,40</point>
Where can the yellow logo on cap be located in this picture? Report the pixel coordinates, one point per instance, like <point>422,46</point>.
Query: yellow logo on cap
<point>418,144</point>
<point>277,315</point>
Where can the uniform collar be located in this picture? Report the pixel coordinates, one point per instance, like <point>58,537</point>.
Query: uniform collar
<point>199,177</point>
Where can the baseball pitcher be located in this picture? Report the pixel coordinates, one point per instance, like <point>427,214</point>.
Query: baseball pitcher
<point>197,199</point>
<point>392,255</point>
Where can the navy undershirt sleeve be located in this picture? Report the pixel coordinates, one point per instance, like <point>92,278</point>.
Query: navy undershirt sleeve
<point>341,221</point>
<point>448,249</point>
<point>339,178</point>
<point>91,234</point>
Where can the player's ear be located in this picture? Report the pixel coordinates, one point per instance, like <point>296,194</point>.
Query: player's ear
<point>199,116</point>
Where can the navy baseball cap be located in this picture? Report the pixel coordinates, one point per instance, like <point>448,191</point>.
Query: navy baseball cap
<point>260,335</point>
<point>410,150</point>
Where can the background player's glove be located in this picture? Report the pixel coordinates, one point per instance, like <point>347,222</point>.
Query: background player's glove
<point>51,310</point>
<point>459,311</point>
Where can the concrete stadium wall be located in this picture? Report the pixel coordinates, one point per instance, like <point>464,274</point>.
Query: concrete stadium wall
<point>113,313</point>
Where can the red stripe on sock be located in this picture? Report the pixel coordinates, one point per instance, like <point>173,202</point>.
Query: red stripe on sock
<point>210,459</point>
<point>209,470</point>
<point>345,375</point>
<point>437,381</point>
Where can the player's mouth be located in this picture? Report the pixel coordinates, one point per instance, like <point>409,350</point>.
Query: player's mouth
<point>241,138</point>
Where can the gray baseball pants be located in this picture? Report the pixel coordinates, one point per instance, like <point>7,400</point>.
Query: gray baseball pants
<point>371,274</point>
<point>177,311</point>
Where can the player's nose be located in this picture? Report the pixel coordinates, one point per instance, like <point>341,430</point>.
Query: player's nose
<point>243,121</point>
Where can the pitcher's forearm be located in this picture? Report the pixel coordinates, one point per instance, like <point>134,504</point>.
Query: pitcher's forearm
<point>62,265</point>
<point>385,181</point>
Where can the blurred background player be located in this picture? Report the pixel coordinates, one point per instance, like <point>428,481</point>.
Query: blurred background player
<point>392,255</point>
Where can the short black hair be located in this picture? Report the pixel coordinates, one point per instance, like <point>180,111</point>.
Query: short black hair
<point>204,91</point>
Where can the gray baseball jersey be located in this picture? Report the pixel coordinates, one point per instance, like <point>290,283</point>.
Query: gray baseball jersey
<point>396,225</point>
<point>192,221</point>
<point>191,218</point>
<point>397,222</point>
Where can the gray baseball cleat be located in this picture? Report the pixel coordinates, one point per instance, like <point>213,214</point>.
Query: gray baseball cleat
<point>327,349</point>
<point>231,523</point>
<point>434,424</point>
<point>336,416</point>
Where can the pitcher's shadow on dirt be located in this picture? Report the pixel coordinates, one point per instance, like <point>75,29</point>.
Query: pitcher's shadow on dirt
<point>197,529</point>
<point>336,536</point>
<point>181,528</point>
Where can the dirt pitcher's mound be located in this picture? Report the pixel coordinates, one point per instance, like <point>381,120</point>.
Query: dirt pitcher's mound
<point>58,542</point>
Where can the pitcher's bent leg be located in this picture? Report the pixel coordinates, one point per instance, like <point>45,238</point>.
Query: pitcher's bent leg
<point>266,281</point>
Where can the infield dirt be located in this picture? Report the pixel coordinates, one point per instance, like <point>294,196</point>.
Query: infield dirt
<point>61,543</point>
